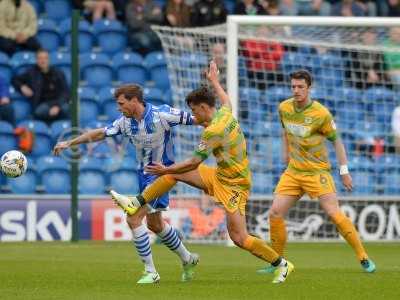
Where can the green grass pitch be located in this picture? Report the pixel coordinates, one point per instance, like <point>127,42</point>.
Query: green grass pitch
<point>101,270</point>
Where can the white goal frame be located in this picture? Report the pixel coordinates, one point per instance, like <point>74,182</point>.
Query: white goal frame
<point>233,22</point>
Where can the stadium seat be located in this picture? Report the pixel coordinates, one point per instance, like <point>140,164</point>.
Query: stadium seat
<point>20,61</point>
<point>379,94</point>
<point>107,102</point>
<point>43,142</point>
<point>391,183</point>
<point>7,137</point>
<point>89,106</point>
<point>168,98</point>
<point>54,173</point>
<point>111,35</point>
<point>22,106</point>
<point>230,6</point>
<point>124,181</point>
<point>262,183</point>
<point>96,69</point>
<point>91,177</point>
<point>57,9</point>
<point>62,60</point>
<point>129,67</point>
<point>5,67</point>
<point>86,37</point>
<point>25,184</point>
<point>37,5</point>
<point>154,96</point>
<point>157,66</point>
<point>48,34</point>
<point>60,129</point>
<point>276,94</point>
<point>292,61</point>
<point>364,182</point>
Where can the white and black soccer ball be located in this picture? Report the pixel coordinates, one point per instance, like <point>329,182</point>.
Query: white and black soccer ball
<point>13,163</point>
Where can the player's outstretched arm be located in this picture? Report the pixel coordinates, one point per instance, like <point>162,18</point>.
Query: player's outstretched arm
<point>177,168</point>
<point>212,76</point>
<point>342,159</point>
<point>92,135</point>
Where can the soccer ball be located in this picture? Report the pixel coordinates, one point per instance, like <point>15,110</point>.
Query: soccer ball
<point>13,163</point>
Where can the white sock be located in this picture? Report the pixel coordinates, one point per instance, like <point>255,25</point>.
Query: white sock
<point>171,239</point>
<point>142,244</point>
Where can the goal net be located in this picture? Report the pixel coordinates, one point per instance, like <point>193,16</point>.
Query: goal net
<point>355,63</point>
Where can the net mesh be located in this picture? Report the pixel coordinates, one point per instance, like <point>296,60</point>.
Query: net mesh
<point>354,70</point>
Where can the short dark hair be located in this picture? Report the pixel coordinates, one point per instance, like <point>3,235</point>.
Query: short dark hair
<point>201,95</point>
<point>302,74</point>
<point>41,50</point>
<point>129,91</point>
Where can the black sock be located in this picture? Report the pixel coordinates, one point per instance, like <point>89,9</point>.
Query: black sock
<point>277,262</point>
<point>141,200</point>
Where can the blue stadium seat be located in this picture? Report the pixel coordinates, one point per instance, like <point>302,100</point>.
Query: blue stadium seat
<point>292,61</point>
<point>157,66</point>
<point>108,104</point>
<point>168,98</point>
<point>48,34</point>
<point>54,173</point>
<point>86,37</point>
<point>96,69</point>
<point>62,60</point>
<point>129,67</point>
<point>364,183</point>
<point>22,106</point>
<point>230,6</point>
<point>20,61</point>
<point>5,67</point>
<point>391,183</point>
<point>154,96</point>
<point>7,137</point>
<point>37,5</point>
<point>276,94</point>
<point>57,9</point>
<point>262,183</point>
<point>125,182</point>
<point>111,35</point>
<point>91,178</point>
<point>43,142</point>
<point>379,94</point>
<point>60,129</point>
<point>251,95</point>
<point>25,184</point>
<point>89,106</point>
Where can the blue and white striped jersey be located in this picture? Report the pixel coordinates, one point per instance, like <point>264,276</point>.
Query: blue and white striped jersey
<point>152,136</point>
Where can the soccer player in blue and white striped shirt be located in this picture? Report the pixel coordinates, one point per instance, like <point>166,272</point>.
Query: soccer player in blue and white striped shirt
<point>148,128</point>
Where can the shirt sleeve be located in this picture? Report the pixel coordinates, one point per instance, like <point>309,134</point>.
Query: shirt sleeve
<point>174,116</point>
<point>115,128</point>
<point>328,128</point>
<point>208,142</point>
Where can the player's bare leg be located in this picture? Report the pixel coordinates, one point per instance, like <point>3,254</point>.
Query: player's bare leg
<point>236,225</point>
<point>277,227</point>
<point>170,238</point>
<point>330,204</point>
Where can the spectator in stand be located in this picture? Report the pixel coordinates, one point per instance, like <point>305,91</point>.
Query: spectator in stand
<point>393,8</point>
<point>305,7</point>
<point>47,88</point>
<point>18,26</point>
<point>177,13</point>
<point>366,68</point>
<point>97,8</point>
<point>271,7</point>
<point>263,58</point>
<point>6,110</point>
<point>139,16</point>
<point>348,8</point>
<point>392,58</point>
<point>208,12</point>
<point>396,128</point>
<point>249,7</point>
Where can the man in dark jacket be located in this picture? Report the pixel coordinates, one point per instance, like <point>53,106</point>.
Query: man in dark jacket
<point>46,87</point>
<point>6,110</point>
<point>208,12</point>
